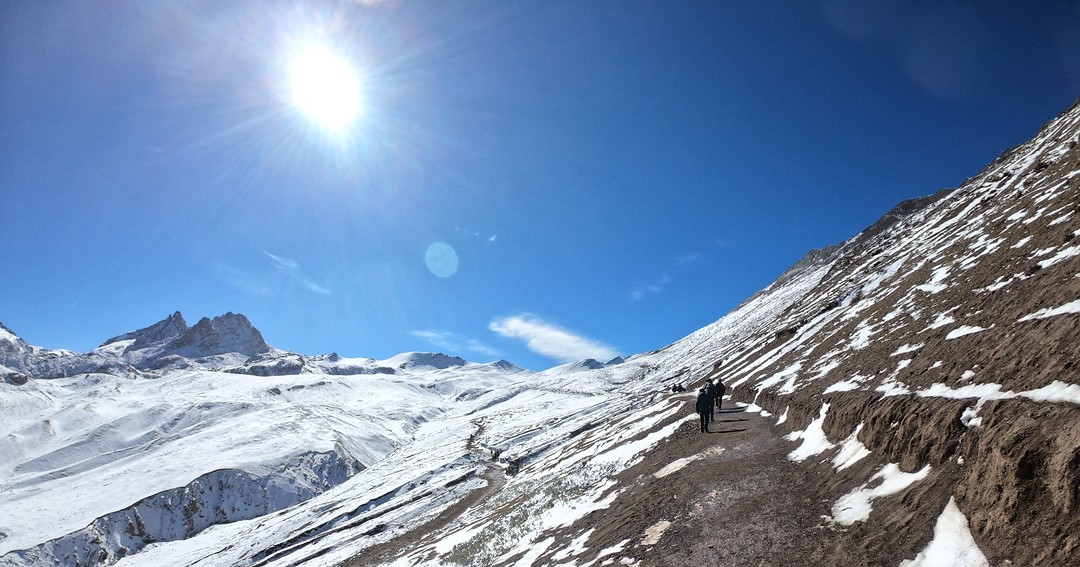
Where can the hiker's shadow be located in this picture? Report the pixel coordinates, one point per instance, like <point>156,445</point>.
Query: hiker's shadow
<point>730,430</point>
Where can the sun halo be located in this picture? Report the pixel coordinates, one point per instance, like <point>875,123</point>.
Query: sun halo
<point>325,87</point>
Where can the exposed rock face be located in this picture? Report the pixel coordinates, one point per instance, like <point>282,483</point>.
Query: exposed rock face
<point>948,331</point>
<point>218,497</point>
<point>435,360</point>
<point>228,333</point>
<point>162,331</point>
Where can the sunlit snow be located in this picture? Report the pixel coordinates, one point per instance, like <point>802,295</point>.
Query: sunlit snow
<point>856,505</point>
<point>952,545</point>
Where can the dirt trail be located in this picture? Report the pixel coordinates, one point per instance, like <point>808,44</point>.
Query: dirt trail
<point>723,506</point>
<point>740,502</point>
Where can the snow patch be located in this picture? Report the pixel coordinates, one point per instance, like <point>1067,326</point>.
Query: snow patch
<point>1055,392</point>
<point>952,544</point>
<point>941,320</point>
<point>860,339</point>
<point>1060,256</point>
<point>907,348</point>
<point>856,506</point>
<point>936,284</point>
<point>813,437</point>
<point>963,331</point>
<point>890,386</point>
<point>1061,219</point>
<point>1068,308</point>
<point>970,417</point>
<point>852,383</point>
<point>851,451</point>
<point>576,547</point>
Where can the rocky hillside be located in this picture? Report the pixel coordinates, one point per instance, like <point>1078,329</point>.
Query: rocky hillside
<point>946,336</point>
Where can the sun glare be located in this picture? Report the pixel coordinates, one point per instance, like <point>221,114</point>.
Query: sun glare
<point>325,87</point>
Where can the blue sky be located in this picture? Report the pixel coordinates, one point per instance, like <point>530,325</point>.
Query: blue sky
<point>534,181</point>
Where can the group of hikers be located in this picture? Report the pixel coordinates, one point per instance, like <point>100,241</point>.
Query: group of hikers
<point>709,399</point>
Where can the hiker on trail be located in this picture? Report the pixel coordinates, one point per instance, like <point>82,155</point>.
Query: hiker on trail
<point>720,389</point>
<point>711,391</point>
<point>703,407</point>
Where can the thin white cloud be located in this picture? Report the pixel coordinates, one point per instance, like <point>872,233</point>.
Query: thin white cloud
<point>551,340</point>
<point>292,269</point>
<point>687,259</point>
<point>640,292</point>
<point>479,347</point>
<point>679,264</point>
<point>441,339</point>
<point>281,262</point>
<point>312,286</point>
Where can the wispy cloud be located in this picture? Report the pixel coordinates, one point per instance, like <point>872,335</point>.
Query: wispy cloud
<point>678,264</point>
<point>642,291</point>
<point>551,340</point>
<point>687,259</point>
<point>292,268</point>
<point>283,263</point>
<point>452,344</point>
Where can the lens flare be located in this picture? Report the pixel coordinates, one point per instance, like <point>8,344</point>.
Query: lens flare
<point>441,259</point>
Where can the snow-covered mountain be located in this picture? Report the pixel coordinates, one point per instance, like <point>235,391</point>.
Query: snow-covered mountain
<point>918,382</point>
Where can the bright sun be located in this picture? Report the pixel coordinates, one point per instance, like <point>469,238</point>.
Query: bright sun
<point>325,88</point>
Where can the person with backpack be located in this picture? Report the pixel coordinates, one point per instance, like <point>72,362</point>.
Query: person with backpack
<point>711,391</point>
<point>720,389</point>
<point>703,407</point>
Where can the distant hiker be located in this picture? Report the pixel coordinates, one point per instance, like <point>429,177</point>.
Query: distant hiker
<point>711,391</point>
<point>720,389</point>
<point>703,407</point>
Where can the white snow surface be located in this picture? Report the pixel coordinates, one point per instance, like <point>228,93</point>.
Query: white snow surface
<point>814,441</point>
<point>1066,309</point>
<point>952,545</point>
<point>856,505</point>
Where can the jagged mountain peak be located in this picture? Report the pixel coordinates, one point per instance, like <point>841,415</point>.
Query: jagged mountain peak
<point>228,333</point>
<point>166,329</point>
<point>8,335</point>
